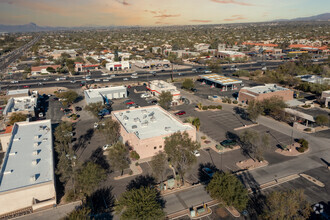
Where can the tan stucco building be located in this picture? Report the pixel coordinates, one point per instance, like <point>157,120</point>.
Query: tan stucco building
<point>145,129</point>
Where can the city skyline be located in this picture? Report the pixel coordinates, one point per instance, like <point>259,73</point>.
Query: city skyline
<point>153,13</point>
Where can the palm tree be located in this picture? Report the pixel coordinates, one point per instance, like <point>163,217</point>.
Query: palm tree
<point>197,123</point>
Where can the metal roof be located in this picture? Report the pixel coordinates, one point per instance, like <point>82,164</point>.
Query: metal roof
<point>29,157</point>
<point>222,80</point>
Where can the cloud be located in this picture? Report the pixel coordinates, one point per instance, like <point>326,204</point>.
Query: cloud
<point>162,16</point>
<point>232,2</point>
<point>160,22</point>
<point>200,21</point>
<point>123,2</point>
<point>235,18</point>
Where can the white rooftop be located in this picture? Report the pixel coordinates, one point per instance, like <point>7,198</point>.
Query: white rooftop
<point>29,157</point>
<point>25,103</point>
<point>220,79</point>
<point>95,93</point>
<point>265,89</point>
<point>18,92</point>
<point>231,52</point>
<point>150,122</point>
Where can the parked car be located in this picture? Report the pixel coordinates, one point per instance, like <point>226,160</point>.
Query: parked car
<point>26,86</point>
<point>180,74</point>
<point>196,153</point>
<point>134,77</point>
<point>125,79</point>
<point>145,95</point>
<point>128,102</point>
<point>208,171</point>
<point>78,108</point>
<point>14,81</point>
<point>180,113</point>
<point>228,143</point>
<point>73,81</point>
<point>194,89</point>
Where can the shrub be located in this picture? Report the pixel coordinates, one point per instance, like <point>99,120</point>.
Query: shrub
<point>203,137</point>
<point>204,107</point>
<point>130,172</point>
<point>134,155</point>
<point>137,164</point>
<point>240,105</point>
<point>224,100</point>
<point>235,101</point>
<point>308,129</point>
<point>212,107</point>
<point>229,101</point>
<point>219,107</point>
<point>304,145</point>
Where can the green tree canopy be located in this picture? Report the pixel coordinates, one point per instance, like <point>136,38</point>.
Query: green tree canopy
<point>51,69</point>
<point>322,120</point>
<point>286,205</point>
<point>82,213</point>
<point>69,96</point>
<point>118,156</point>
<point>143,203</point>
<point>227,188</point>
<point>188,84</point>
<point>95,108</point>
<point>89,177</point>
<point>179,148</point>
<point>253,144</point>
<point>158,165</point>
<point>16,117</point>
<point>165,99</point>
<point>111,130</point>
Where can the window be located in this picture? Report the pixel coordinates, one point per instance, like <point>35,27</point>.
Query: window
<point>155,147</point>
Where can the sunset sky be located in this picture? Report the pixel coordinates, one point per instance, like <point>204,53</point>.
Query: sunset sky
<point>154,12</point>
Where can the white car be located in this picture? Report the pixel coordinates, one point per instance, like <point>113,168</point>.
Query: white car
<point>97,80</point>
<point>196,153</point>
<point>57,79</point>
<point>104,74</point>
<point>264,68</point>
<point>134,74</point>
<point>73,81</point>
<point>134,77</point>
<point>125,79</point>
<point>145,95</point>
<point>105,147</point>
<point>106,80</point>
<point>96,125</point>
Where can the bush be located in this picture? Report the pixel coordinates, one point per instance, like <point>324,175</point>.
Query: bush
<point>130,172</point>
<point>212,107</point>
<point>219,107</point>
<point>137,164</point>
<point>308,129</point>
<point>304,145</point>
<point>224,100</point>
<point>240,105</point>
<point>205,107</point>
<point>134,155</point>
<point>203,137</point>
<point>235,101</point>
<point>229,101</point>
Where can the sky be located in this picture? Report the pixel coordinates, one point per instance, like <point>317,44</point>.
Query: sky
<point>154,12</point>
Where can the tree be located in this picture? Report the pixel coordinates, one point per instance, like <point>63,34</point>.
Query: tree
<point>111,130</point>
<point>254,109</point>
<point>322,120</point>
<point>197,123</point>
<point>188,84</point>
<point>82,213</point>
<point>16,117</point>
<point>63,133</point>
<point>226,188</point>
<point>69,97</point>
<point>158,165</point>
<point>165,100</point>
<point>89,177</point>
<point>179,149</point>
<point>284,205</point>
<point>64,167</point>
<point>50,69</point>
<point>253,144</point>
<point>95,108</point>
<point>143,203</point>
<point>118,156</point>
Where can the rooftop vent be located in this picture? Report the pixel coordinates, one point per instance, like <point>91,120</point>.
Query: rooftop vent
<point>167,128</point>
<point>36,137</point>
<point>17,139</point>
<point>36,161</point>
<point>144,124</point>
<point>153,119</point>
<point>35,177</point>
<point>127,112</point>
<point>12,153</point>
<point>151,114</point>
<point>8,172</point>
<point>125,118</point>
<point>134,126</point>
<point>145,116</point>
<point>36,144</point>
<point>136,119</point>
<point>44,139</point>
<point>36,152</point>
<point>120,114</point>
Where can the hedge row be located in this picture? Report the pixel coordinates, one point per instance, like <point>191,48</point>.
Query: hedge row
<point>211,107</point>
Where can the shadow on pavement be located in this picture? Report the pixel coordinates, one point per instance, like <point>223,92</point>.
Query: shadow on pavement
<point>203,176</point>
<point>100,159</point>
<point>101,203</point>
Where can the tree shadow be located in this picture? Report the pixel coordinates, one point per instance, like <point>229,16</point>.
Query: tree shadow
<point>232,136</point>
<point>257,200</point>
<point>141,181</point>
<point>79,98</point>
<point>101,203</point>
<point>100,159</point>
<point>242,113</point>
<point>83,140</point>
<point>203,177</point>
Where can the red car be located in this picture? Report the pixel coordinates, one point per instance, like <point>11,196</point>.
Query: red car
<point>130,103</point>
<point>180,113</point>
<point>26,86</point>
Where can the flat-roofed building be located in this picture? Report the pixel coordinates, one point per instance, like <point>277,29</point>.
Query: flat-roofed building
<point>267,91</point>
<point>103,94</point>
<point>231,54</point>
<point>57,53</point>
<point>116,66</point>
<point>25,105</point>
<point>27,181</point>
<point>221,81</point>
<point>326,98</point>
<point>18,93</point>
<point>145,129</point>
<point>158,86</point>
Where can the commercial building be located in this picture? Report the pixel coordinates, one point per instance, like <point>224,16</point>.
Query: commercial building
<point>152,63</point>
<point>267,91</point>
<point>221,82</point>
<point>115,66</point>
<point>78,67</point>
<point>104,94</point>
<point>156,87</point>
<point>35,70</point>
<point>25,105</point>
<point>27,181</point>
<point>57,53</point>
<point>145,129</point>
<point>233,55</point>
<point>201,47</point>
<point>18,93</point>
<point>314,79</point>
<point>326,98</point>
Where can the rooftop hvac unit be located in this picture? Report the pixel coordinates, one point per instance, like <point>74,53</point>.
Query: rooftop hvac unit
<point>36,144</point>
<point>8,172</point>
<point>17,139</point>
<point>120,114</point>
<point>36,161</point>
<point>36,152</point>
<point>145,116</point>
<point>167,128</point>
<point>144,111</point>
<point>144,124</point>
<point>134,126</point>
<point>125,118</point>
<point>12,153</point>
<point>151,114</point>
<point>136,119</point>
<point>34,177</point>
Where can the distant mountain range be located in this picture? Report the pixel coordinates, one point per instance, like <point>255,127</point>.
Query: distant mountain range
<point>321,17</point>
<point>32,27</point>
